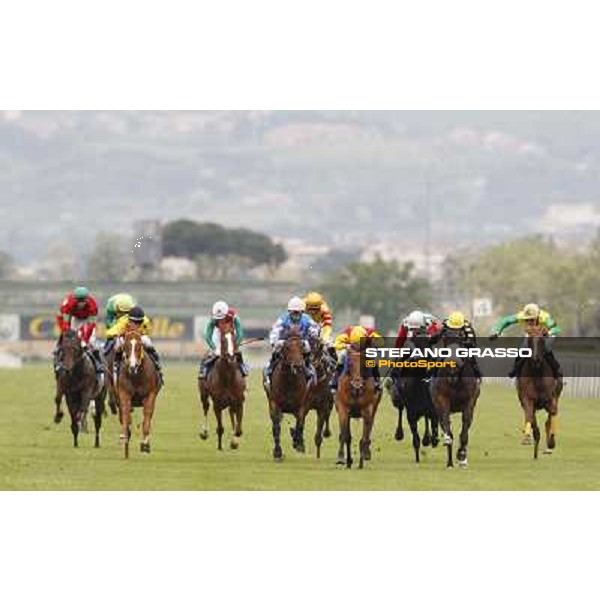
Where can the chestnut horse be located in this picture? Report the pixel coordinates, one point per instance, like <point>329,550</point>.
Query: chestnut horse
<point>226,386</point>
<point>288,393</point>
<point>537,390</point>
<point>80,386</point>
<point>356,398</point>
<point>455,389</point>
<point>137,385</point>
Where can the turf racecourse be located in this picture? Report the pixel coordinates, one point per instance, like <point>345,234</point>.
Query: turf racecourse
<point>36,454</point>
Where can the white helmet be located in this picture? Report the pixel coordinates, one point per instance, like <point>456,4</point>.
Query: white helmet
<point>415,319</point>
<point>220,310</point>
<point>296,305</point>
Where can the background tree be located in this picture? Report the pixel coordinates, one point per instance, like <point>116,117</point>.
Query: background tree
<point>386,289</point>
<point>242,247</point>
<point>109,260</point>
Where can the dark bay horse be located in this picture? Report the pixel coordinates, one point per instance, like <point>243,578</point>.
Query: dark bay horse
<point>455,389</point>
<point>356,398</point>
<point>538,390</point>
<point>137,385</point>
<point>320,398</point>
<point>288,392</point>
<point>80,385</point>
<point>226,386</point>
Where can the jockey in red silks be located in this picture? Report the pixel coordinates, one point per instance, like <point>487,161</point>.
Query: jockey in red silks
<point>79,312</point>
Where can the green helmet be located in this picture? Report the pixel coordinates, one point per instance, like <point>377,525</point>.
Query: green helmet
<point>81,293</point>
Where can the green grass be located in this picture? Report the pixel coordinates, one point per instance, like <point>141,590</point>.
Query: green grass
<point>36,454</point>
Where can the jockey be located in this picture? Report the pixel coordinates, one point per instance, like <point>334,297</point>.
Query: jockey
<point>79,312</point>
<point>531,316</point>
<point>309,332</point>
<point>222,315</point>
<point>417,322</point>
<point>457,325</point>
<point>118,306</point>
<point>320,313</point>
<point>138,321</point>
<point>352,335</point>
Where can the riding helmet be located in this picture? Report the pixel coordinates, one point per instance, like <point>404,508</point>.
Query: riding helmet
<point>137,315</point>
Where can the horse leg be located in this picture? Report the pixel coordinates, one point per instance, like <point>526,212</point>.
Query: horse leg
<point>148,412</point>
<point>328,409</point>
<point>125,414</point>
<point>276,415</point>
<point>58,414</point>
<point>98,420</point>
<point>74,414</point>
<point>321,418</point>
<point>529,417</point>
<point>299,433</point>
<point>342,416</point>
<point>347,440</point>
<point>461,455</point>
<point>536,436</point>
<point>236,425</point>
<point>427,434</point>
<point>399,435</point>
<point>448,437</point>
<point>365,442</point>
<point>551,428</point>
<point>413,421</point>
<point>220,428</point>
<point>204,400</point>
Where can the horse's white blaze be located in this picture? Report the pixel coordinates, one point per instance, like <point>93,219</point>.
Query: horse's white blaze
<point>229,339</point>
<point>132,355</point>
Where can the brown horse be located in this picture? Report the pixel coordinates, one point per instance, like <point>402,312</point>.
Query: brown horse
<point>455,389</point>
<point>226,386</point>
<point>137,385</point>
<point>537,390</point>
<point>356,398</point>
<point>288,392</point>
<point>80,386</point>
<point>320,398</point>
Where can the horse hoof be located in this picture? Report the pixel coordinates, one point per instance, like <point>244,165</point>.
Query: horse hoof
<point>234,446</point>
<point>145,447</point>
<point>426,441</point>
<point>435,442</point>
<point>463,464</point>
<point>58,417</point>
<point>327,433</point>
<point>399,436</point>
<point>300,448</point>
<point>551,443</point>
<point>340,461</point>
<point>527,441</point>
<point>547,451</point>
<point>278,454</point>
<point>113,409</point>
<point>368,454</point>
<point>203,435</point>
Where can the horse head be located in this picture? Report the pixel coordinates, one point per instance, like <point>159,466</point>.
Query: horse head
<point>292,351</point>
<point>72,350</point>
<point>535,343</point>
<point>228,347</point>
<point>133,351</point>
<point>453,373</point>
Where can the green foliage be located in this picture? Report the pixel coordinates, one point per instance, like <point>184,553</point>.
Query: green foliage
<point>534,269</point>
<point>190,239</point>
<point>387,290</point>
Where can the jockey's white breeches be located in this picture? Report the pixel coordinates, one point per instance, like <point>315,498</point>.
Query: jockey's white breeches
<point>77,324</point>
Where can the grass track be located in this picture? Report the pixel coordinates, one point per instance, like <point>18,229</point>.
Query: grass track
<point>35,454</point>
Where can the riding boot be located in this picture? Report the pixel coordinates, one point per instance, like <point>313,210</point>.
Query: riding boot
<point>556,370</point>
<point>516,367</point>
<point>244,367</point>
<point>311,374</point>
<point>333,384</point>
<point>99,366</point>
<point>156,359</point>
<point>269,369</point>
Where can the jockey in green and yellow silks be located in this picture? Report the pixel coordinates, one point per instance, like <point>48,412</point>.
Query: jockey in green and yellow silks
<point>531,316</point>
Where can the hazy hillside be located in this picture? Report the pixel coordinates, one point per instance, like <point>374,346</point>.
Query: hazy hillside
<point>326,176</point>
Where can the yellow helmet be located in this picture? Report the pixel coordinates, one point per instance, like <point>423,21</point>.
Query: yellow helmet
<point>456,320</point>
<point>124,303</point>
<point>313,300</point>
<point>357,333</point>
<point>531,311</point>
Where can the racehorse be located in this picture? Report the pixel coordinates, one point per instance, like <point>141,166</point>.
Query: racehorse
<point>137,385</point>
<point>226,386</point>
<point>109,366</point>
<point>58,395</point>
<point>320,397</point>
<point>537,390</point>
<point>288,392</point>
<point>455,389</point>
<point>409,391</point>
<point>80,385</point>
<point>356,398</point>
